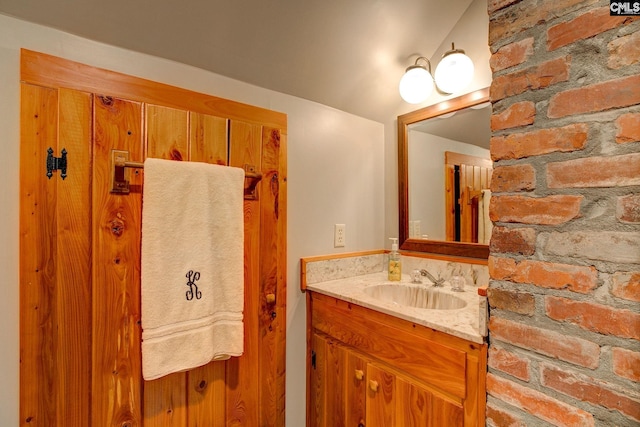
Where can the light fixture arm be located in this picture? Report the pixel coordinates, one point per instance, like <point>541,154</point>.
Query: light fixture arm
<point>416,65</point>
<point>453,73</point>
<point>424,59</point>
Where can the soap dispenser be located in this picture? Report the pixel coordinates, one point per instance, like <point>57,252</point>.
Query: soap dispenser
<point>395,265</point>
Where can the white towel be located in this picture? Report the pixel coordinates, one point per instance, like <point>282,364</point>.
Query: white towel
<point>192,265</point>
<point>485,226</point>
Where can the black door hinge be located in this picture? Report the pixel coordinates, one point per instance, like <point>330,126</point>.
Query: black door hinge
<point>313,359</point>
<point>56,163</point>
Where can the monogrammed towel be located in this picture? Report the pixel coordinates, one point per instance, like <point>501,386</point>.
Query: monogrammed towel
<point>192,260</point>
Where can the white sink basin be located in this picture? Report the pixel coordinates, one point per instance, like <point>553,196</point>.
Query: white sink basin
<point>417,296</point>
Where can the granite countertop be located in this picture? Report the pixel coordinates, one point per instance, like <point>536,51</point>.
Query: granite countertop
<point>468,322</point>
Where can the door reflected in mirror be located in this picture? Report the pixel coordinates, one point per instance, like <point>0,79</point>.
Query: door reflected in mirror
<point>444,176</point>
<point>450,175</point>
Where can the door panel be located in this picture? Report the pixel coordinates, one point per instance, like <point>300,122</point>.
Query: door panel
<point>80,255</point>
<point>356,390</point>
<point>271,314</point>
<point>474,175</point>
<point>206,384</point>
<point>381,397</point>
<point>242,372</point>
<point>116,268</point>
<point>73,297</point>
<point>165,402</point>
<point>414,404</point>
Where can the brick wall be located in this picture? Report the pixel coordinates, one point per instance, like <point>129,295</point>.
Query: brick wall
<point>565,253</point>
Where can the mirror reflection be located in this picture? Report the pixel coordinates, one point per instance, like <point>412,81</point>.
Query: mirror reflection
<point>450,176</point>
<point>444,175</point>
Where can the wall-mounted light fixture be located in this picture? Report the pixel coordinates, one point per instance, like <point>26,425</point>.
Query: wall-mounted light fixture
<point>453,74</point>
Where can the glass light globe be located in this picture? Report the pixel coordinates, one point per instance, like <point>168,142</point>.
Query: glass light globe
<point>416,85</point>
<point>454,72</point>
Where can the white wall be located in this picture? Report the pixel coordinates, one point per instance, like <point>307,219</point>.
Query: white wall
<point>426,179</point>
<point>324,188</point>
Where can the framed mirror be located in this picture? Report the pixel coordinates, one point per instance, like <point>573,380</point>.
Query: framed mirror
<point>444,173</point>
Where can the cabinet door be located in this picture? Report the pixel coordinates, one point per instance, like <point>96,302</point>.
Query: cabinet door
<point>381,400</point>
<point>316,410</point>
<point>418,407</point>
<point>355,395</point>
<point>327,384</point>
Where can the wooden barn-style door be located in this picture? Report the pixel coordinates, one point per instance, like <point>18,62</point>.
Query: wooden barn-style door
<point>80,311</point>
<point>465,178</point>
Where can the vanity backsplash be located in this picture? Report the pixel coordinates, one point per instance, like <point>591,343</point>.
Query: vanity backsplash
<point>327,269</point>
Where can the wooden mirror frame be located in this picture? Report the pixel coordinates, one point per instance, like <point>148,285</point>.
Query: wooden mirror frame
<point>442,247</point>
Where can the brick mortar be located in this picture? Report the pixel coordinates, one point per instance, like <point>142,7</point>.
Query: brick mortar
<point>598,209</point>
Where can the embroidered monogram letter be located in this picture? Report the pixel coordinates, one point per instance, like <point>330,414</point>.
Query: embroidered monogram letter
<point>192,278</point>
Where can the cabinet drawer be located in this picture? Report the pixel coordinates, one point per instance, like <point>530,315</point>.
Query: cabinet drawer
<point>427,360</point>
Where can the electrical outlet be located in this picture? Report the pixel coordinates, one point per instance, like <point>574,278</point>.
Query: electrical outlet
<point>339,236</point>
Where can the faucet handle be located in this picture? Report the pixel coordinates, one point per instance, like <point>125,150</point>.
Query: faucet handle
<point>436,282</point>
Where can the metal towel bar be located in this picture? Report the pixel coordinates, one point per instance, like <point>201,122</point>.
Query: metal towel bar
<point>120,184</point>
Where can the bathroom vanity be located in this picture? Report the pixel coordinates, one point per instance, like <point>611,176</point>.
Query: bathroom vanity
<point>376,357</point>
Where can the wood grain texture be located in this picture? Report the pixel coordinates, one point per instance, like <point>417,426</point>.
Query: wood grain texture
<point>243,372</point>
<point>116,220</point>
<point>80,252</point>
<point>206,384</point>
<point>415,405</point>
<point>417,372</point>
<point>38,130</point>
<point>445,367</point>
<point>73,296</point>
<point>208,139</point>
<point>165,399</point>
<point>355,396</point>
<point>316,386</point>
<point>335,385</point>
<point>272,315</point>
<point>42,69</point>
<point>381,397</point>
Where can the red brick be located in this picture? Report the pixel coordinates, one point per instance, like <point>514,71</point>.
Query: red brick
<point>494,5</point>
<point>527,14</point>
<point>521,177</point>
<point>502,418</point>
<point>596,97</point>
<point>518,114</point>
<point>512,54</point>
<point>509,363</point>
<point>587,25</point>
<point>613,171</point>
<point>544,141</point>
<point>594,317</point>
<point>546,342</point>
<point>626,285</point>
<point>517,302</point>
<point>624,51</point>
<point>612,246</point>
<point>538,404</point>
<point>628,209</point>
<point>626,364</point>
<point>628,126</point>
<point>587,389</point>
<point>544,274</point>
<point>533,78</point>
<point>513,240</point>
<point>551,210</point>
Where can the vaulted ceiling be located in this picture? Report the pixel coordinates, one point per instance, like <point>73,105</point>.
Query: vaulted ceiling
<point>347,54</point>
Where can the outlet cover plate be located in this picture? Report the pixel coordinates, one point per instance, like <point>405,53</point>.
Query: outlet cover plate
<point>339,236</point>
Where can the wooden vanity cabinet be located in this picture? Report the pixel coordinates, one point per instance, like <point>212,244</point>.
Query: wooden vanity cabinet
<point>368,369</point>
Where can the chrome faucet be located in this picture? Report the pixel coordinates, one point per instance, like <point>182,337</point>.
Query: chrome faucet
<point>436,282</point>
